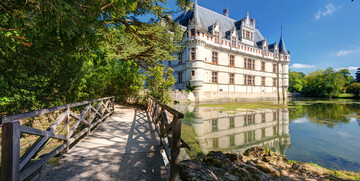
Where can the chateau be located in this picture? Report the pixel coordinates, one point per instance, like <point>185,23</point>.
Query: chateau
<point>230,59</point>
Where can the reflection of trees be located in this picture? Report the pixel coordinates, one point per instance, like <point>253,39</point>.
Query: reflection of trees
<point>327,114</point>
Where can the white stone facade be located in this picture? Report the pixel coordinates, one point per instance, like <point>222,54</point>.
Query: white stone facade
<point>205,62</point>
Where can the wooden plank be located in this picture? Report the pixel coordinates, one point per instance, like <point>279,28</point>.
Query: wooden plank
<point>10,151</point>
<point>81,133</point>
<point>39,132</point>
<point>167,150</point>
<point>175,150</point>
<point>35,148</point>
<point>33,167</point>
<point>171,110</point>
<point>6,119</point>
<point>60,119</point>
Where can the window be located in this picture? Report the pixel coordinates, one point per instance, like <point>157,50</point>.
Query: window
<point>232,60</point>
<point>263,117</point>
<point>274,130</point>
<point>214,77</point>
<point>217,39</point>
<point>232,122</point>
<point>180,77</point>
<point>263,81</point>
<point>214,57</point>
<point>193,53</point>
<point>249,80</point>
<point>180,58</point>
<point>249,64</point>
<point>232,140</point>
<point>198,33</point>
<point>207,37</point>
<point>274,116</point>
<point>249,119</point>
<point>249,136</point>
<point>169,63</point>
<point>192,33</point>
<point>214,125</point>
<point>274,67</point>
<point>263,66</point>
<point>263,133</point>
<point>251,37</point>
<point>215,142</point>
<point>243,33</point>
<point>233,41</point>
<point>231,81</point>
<point>193,73</point>
<point>274,82</point>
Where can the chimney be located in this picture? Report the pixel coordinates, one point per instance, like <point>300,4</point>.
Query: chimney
<point>226,12</point>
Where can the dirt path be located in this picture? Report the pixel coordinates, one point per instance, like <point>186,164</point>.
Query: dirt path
<point>124,147</point>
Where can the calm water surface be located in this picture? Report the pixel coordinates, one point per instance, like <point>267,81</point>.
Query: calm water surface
<point>326,132</point>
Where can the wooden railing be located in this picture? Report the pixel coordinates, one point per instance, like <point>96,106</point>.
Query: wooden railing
<point>169,132</point>
<point>14,167</point>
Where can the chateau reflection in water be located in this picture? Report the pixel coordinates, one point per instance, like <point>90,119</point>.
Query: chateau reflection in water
<point>236,131</point>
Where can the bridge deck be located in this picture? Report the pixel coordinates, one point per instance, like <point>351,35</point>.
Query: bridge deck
<point>124,147</point>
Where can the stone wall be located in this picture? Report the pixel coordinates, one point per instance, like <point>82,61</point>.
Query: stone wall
<point>182,96</point>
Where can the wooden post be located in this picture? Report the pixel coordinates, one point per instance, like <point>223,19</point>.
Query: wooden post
<point>68,130</point>
<point>175,150</point>
<point>89,120</point>
<point>113,103</point>
<point>10,151</point>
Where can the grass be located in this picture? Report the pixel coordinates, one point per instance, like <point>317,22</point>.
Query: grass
<point>246,105</point>
<point>346,95</point>
<point>332,174</point>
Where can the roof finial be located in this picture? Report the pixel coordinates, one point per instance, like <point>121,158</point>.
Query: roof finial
<point>247,14</point>
<point>258,23</point>
<point>195,2</point>
<point>281,30</point>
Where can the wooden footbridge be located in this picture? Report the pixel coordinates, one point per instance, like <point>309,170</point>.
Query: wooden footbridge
<point>97,140</point>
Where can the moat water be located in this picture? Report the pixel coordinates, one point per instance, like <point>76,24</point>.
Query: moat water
<point>325,132</point>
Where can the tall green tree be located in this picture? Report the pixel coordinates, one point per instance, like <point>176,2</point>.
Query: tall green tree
<point>357,75</point>
<point>296,81</point>
<point>347,77</point>
<point>57,52</point>
<point>324,83</point>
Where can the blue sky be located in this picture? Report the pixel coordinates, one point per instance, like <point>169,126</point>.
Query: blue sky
<point>318,33</point>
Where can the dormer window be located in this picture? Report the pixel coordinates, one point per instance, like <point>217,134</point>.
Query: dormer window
<point>217,37</point>
<point>233,40</point>
<point>192,32</point>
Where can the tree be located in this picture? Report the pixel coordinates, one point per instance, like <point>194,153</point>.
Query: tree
<point>159,82</point>
<point>355,89</point>
<point>347,76</point>
<point>357,74</point>
<point>324,83</point>
<point>296,81</point>
<point>49,50</point>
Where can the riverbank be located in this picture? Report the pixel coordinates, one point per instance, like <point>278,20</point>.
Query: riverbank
<point>257,164</point>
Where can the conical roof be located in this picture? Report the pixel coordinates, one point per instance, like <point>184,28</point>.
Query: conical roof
<point>282,48</point>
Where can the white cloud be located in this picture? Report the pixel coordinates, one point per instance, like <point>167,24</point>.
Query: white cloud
<point>350,68</point>
<point>300,120</point>
<point>347,52</point>
<point>301,66</point>
<point>329,10</point>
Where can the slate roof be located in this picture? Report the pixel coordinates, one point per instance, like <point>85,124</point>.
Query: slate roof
<point>282,48</point>
<point>206,18</point>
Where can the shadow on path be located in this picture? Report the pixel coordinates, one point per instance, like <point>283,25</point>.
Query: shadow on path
<point>124,147</point>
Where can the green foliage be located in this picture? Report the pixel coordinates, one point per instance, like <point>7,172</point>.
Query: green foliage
<point>159,82</point>
<point>324,83</point>
<point>355,89</point>
<point>347,77</point>
<point>58,52</point>
<point>357,75</point>
<point>296,81</point>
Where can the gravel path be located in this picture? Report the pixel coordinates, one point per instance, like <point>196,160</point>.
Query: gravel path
<point>124,147</point>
